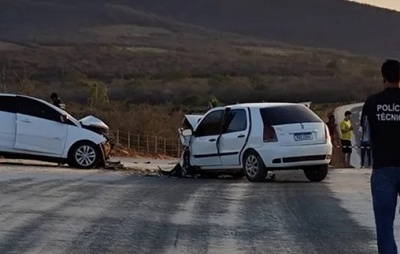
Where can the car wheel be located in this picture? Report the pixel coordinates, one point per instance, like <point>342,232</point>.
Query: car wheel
<point>254,168</point>
<point>84,155</point>
<point>187,169</point>
<point>316,173</point>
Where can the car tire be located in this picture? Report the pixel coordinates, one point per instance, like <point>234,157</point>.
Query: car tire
<point>187,169</point>
<point>316,173</point>
<point>84,155</point>
<point>253,167</point>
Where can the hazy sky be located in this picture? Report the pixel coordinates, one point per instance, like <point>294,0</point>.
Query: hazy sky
<point>390,4</point>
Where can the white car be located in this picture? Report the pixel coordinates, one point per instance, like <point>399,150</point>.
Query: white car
<point>252,139</point>
<point>31,128</point>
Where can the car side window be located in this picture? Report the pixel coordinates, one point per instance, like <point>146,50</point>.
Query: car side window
<point>8,104</point>
<point>211,124</point>
<point>35,108</point>
<point>237,121</point>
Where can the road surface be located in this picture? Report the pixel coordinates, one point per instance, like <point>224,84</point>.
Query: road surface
<point>356,110</point>
<point>61,210</point>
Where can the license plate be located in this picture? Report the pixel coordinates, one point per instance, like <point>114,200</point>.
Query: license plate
<point>303,136</point>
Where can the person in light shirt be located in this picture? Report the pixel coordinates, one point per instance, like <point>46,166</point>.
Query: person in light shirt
<point>346,130</point>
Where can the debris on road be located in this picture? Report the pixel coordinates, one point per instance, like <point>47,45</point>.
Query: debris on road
<point>140,170</point>
<point>114,165</point>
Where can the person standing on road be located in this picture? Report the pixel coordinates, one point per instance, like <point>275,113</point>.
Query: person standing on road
<point>346,129</point>
<point>382,114</point>
<point>331,126</point>
<point>365,143</point>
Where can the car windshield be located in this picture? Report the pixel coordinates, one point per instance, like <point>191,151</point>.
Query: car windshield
<point>62,111</point>
<point>288,114</point>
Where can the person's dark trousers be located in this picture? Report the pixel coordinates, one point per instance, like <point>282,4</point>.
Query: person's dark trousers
<point>385,184</point>
<point>365,149</point>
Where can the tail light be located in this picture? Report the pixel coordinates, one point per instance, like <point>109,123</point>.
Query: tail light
<point>327,134</point>
<point>269,134</point>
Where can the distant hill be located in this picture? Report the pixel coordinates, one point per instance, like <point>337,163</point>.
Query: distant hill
<point>187,52</point>
<point>181,54</point>
<point>82,22</point>
<point>334,24</point>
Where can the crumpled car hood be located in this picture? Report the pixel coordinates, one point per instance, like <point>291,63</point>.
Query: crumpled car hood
<point>193,119</point>
<point>93,122</point>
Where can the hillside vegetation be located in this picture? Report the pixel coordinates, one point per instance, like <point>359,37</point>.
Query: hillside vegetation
<point>141,69</point>
<point>335,24</point>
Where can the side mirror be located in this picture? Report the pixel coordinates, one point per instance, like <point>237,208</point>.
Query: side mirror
<point>64,118</point>
<point>187,132</point>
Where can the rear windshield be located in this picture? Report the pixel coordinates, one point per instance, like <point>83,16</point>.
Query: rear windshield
<point>288,114</point>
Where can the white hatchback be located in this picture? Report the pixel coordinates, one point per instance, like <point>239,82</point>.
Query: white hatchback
<point>31,128</point>
<point>252,139</point>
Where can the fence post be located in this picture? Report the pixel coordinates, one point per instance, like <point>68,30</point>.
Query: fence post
<point>148,144</point>
<point>156,143</point>
<point>165,146</point>
<point>138,142</point>
<point>129,139</point>
<point>118,137</point>
<point>179,148</point>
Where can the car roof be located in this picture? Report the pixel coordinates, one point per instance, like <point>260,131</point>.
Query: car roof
<point>42,101</point>
<point>34,98</point>
<point>7,94</point>
<point>260,105</point>
<point>31,97</point>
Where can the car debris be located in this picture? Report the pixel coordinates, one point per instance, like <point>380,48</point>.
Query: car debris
<point>114,165</point>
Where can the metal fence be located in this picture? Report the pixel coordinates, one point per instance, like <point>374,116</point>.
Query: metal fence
<point>148,144</point>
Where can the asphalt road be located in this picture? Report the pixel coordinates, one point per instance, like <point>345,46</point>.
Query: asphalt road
<point>61,210</point>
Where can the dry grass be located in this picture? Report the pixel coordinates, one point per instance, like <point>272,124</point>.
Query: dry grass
<point>152,82</point>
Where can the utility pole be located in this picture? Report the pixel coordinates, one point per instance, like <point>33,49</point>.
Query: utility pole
<point>3,79</point>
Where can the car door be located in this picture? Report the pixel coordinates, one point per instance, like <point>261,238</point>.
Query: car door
<point>203,146</point>
<point>8,108</point>
<point>234,137</point>
<point>39,128</point>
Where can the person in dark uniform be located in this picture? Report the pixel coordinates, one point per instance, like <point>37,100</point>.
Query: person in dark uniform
<point>57,101</point>
<point>331,126</point>
<point>365,144</point>
<point>381,112</point>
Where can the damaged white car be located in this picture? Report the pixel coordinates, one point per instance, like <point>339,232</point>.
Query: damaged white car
<point>252,139</point>
<point>31,128</point>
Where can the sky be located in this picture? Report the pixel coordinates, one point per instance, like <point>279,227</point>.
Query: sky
<point>390,4</point>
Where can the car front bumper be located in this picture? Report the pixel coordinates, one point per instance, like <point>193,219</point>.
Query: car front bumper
<point>106,149</point>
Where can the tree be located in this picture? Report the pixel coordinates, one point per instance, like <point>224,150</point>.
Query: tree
<point>98,96</point>
<point>214,102</point>
<point>23,77</point>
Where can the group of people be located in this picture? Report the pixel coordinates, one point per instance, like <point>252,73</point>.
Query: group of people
<point>380,135</point>
<point>346,130</point>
